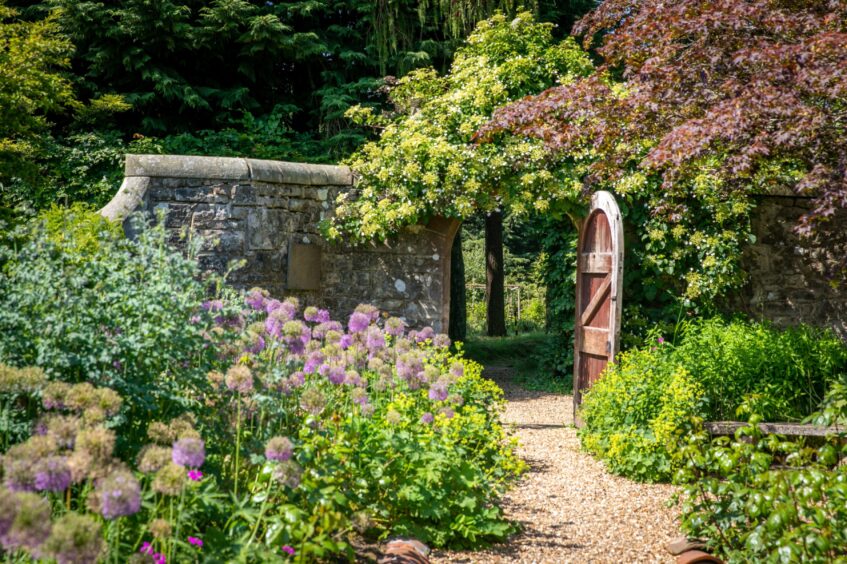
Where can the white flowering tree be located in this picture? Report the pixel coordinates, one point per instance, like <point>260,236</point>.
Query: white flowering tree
<point>425,162</point>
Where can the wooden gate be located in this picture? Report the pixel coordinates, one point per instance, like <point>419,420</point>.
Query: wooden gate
<point>598,293</point>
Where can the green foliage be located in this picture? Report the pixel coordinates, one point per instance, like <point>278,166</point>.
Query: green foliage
<point>636,412</point>
<point>525,355</point>
<point>523,275</point>
<point>32,56</point>
<point>769,499</point>
<point>424,163</point>
<point>85,304</point>
<point>377,431</point>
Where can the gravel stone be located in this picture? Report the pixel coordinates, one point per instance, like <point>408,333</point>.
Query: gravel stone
<point>571,509</point>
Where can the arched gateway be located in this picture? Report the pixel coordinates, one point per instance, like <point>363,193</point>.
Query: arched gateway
<point>598,292</point>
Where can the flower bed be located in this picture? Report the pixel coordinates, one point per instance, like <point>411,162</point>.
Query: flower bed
<point>304,432</point>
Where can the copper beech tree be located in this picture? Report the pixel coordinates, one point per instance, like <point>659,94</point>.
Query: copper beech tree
<point>699,104</point>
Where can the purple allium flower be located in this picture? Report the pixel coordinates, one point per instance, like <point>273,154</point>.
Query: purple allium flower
<point>288,550</point>
<point>297,379</point>
<point>195,541</point>
<point>310,314</point>
<point>447,412</point>
<point>352,378</point>
<point>256,299</point>
<point>320,331</point>
<point>336,374</point>
<point>358,322</point>
<point>441,341</point>
<point>119,495</point>
<point>30,524</point>
<point>375,339</point>
<point>189,452</point>
<point>195,475</point>
<point>19,476</point>
<point>323,316</point>
<point>345,342</point>
<point>438,391</point>
<point>213,305</point>
<point>394,326</point>
<point>276,320</point>
<point>359,396</point>
<point>427,418</point>
<point>52,474</point>
<point>272,305</point>
<point>424,334</point>
<point>371,311</point>
<point>457,369</point>
<point>279,449</point>
<point>409,365</point>
<point>8,510</point>
<point>256,344</point>
<point>313,361</point>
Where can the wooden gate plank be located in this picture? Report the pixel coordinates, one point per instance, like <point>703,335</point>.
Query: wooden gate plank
<point>595,302</point>
<point>595,263</point>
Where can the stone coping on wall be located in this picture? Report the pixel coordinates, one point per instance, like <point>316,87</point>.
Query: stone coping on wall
<point>139,169</point>
<point>233,168</point>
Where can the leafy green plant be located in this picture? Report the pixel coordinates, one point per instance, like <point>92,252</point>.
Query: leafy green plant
<point>637,411</point>
<point>85,304</point>
<point>757,497</point>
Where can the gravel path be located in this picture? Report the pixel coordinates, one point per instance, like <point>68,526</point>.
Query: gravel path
<point>570,508</point>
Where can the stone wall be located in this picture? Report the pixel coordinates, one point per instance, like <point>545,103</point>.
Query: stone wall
<point>266,213</point>
<point>786,282</point>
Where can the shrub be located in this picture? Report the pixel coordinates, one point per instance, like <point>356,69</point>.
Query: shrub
<point>636,412</point>
<point>766,499</point>
<point>85,304</point>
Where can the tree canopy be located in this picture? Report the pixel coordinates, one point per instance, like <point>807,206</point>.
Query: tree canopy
<point>424,162</point>
<point>32,56</point>
<point>698,105</point>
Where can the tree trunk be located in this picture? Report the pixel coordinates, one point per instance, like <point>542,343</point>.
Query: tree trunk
<point>458,329</point>
<point>494,275</point>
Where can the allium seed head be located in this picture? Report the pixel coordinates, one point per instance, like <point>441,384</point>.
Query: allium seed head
<point>153,457</point>
<point>75,539</point>
<point>169,480</point>
<point>31,524</point>
<point>52,474</point>
<point>239,379</point>
<point>119,494</point>
<point>189,452</point>
<point>313,401</point>
<point>279,449</point>
<point>160,528</point>
<point>395,326</point>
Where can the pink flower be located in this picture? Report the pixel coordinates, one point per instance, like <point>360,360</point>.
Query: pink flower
<point>146,548</point>
<point>195,475</point>
<point>287,549</point>
<point>195,541</point>
<point>660,340</point>
<point>159,558</point>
